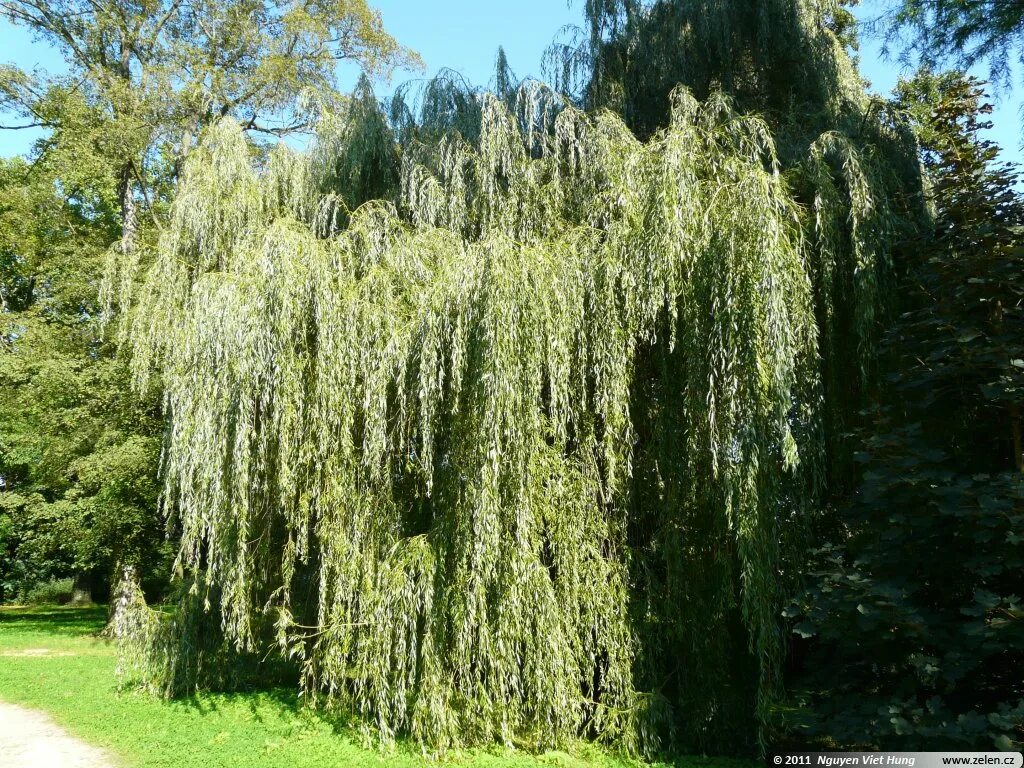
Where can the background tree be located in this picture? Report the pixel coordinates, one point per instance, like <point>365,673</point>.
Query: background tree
<point>784,59</point>
<point>152,75</point>
<point>78,453</point>
<point>918,595</point>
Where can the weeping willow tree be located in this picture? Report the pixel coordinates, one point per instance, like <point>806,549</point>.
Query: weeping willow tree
<point>494,422</point>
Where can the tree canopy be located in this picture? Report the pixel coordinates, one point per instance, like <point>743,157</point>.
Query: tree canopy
<point>145,78</point>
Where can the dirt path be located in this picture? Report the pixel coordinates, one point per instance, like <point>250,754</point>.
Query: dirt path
<point>30,739</point>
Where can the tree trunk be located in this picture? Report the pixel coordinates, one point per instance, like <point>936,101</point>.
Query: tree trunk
<point>125,595</point>
<point>183,150</point>
<point>81,589</point>
<point>126,589</point>
<point>129,210</point>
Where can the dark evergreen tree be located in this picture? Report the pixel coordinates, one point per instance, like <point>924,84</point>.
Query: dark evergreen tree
<point>917,597</point>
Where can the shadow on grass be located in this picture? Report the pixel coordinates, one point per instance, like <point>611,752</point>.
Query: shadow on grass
<point>53,620</point>
<point>278,701</point>
<point>282,705</point>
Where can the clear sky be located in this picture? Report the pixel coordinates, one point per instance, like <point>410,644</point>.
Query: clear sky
<point>464,35</point>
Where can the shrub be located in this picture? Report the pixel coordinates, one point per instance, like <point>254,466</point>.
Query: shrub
<point>57,591</point>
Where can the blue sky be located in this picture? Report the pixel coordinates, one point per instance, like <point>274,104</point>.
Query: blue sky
<point>464,35</point>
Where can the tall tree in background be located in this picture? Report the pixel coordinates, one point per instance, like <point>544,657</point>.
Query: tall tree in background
<point>78,452</point>
<point>785,59</point>
<point>936,32</point>
<point>145,79</point>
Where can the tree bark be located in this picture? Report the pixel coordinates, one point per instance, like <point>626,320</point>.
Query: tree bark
<point>183,149</point>
<point>127,592</point>
<point>81,589</point>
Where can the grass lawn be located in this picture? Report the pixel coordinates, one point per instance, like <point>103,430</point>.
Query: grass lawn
<point>50,659</point>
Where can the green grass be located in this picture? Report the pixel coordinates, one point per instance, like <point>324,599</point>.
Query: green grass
<point>51,659</point>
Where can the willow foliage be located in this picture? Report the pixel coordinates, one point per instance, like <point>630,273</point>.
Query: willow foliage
<point>849,157</point>
<point>517,452</point>
<point>785,58</point>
